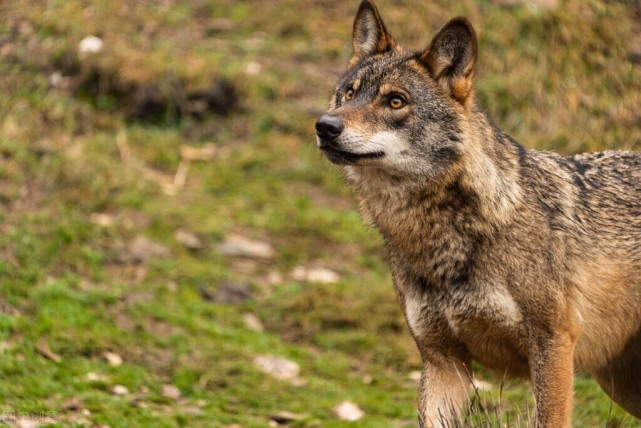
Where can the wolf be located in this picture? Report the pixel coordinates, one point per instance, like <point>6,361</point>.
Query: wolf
<point>528,262</point>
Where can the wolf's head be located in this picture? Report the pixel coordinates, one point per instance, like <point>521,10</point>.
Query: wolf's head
<point>398,111</point>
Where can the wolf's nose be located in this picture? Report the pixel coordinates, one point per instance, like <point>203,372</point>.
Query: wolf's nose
<point>329,127</point>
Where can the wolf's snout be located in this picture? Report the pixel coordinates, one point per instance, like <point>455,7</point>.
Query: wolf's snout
<point>329,127</point>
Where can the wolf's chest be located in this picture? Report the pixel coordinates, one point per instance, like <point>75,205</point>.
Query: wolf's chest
<point>488,322</point>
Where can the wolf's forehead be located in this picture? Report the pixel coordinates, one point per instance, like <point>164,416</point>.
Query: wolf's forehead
<point>375,72</point>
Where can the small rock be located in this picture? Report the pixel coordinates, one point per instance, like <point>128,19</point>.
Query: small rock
<point>239,246</point>
<point>31,422</point>
<point>253,69</point>
<point>348,411</point>
<point>280,368</point>
<point>253,323</point>
<point>188,240</point>
<point>142,249</point>
<point>95,377</point>
<point>170,391</point>
<point>90,45</point>
<point>230,292</point>
<point>319,275</point>
<point>113,360</point>
<point>141,404</point>
<point>102,219</point>
<point>120,390</point>
<point>368,379</point>
<point>414,375</point>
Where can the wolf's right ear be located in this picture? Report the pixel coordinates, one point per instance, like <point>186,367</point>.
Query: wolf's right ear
<point>370,35</point>
<point>451,58</point>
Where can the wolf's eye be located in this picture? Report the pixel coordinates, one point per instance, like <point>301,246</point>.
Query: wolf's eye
<point>349,94</point>
<point>396,102</point>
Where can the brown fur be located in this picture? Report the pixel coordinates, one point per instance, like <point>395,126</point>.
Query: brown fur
<point>526,261</point>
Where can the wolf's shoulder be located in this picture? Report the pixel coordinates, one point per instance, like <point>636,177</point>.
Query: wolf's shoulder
<point>617,160</point>
<point>606,166</point>
<point>609,168</point>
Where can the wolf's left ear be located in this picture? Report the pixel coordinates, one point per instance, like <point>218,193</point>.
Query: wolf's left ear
<point>451,58</point>
<point>370,35</point>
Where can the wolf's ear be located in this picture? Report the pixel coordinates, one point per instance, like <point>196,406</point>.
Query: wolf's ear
<point>451,58</point>
<point>370,35</point>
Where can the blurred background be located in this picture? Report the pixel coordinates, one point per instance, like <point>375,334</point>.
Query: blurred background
<point>175,252</point>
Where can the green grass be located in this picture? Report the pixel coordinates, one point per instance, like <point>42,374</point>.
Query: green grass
<point>554,79</point>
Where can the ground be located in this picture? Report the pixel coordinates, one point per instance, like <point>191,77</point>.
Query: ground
<point>167,228</point>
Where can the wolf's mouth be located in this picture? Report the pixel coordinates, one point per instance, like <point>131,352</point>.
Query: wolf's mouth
<point>342,157</point>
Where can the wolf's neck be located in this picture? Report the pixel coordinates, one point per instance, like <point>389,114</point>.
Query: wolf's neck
<point>485,181</point>
<point>419,219</point>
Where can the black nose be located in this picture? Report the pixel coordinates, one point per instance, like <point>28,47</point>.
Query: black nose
<point>329,127</point>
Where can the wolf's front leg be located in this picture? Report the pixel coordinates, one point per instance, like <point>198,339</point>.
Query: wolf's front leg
<point>552,374</point>
<point>444,391</point>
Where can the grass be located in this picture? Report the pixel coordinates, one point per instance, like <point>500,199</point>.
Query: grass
<point>90,163</point>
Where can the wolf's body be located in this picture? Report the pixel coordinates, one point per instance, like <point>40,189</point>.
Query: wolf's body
<point>526,261</point>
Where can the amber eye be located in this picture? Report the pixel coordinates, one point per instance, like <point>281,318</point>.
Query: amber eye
<point>349,94</point>
<point>396,102</point>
